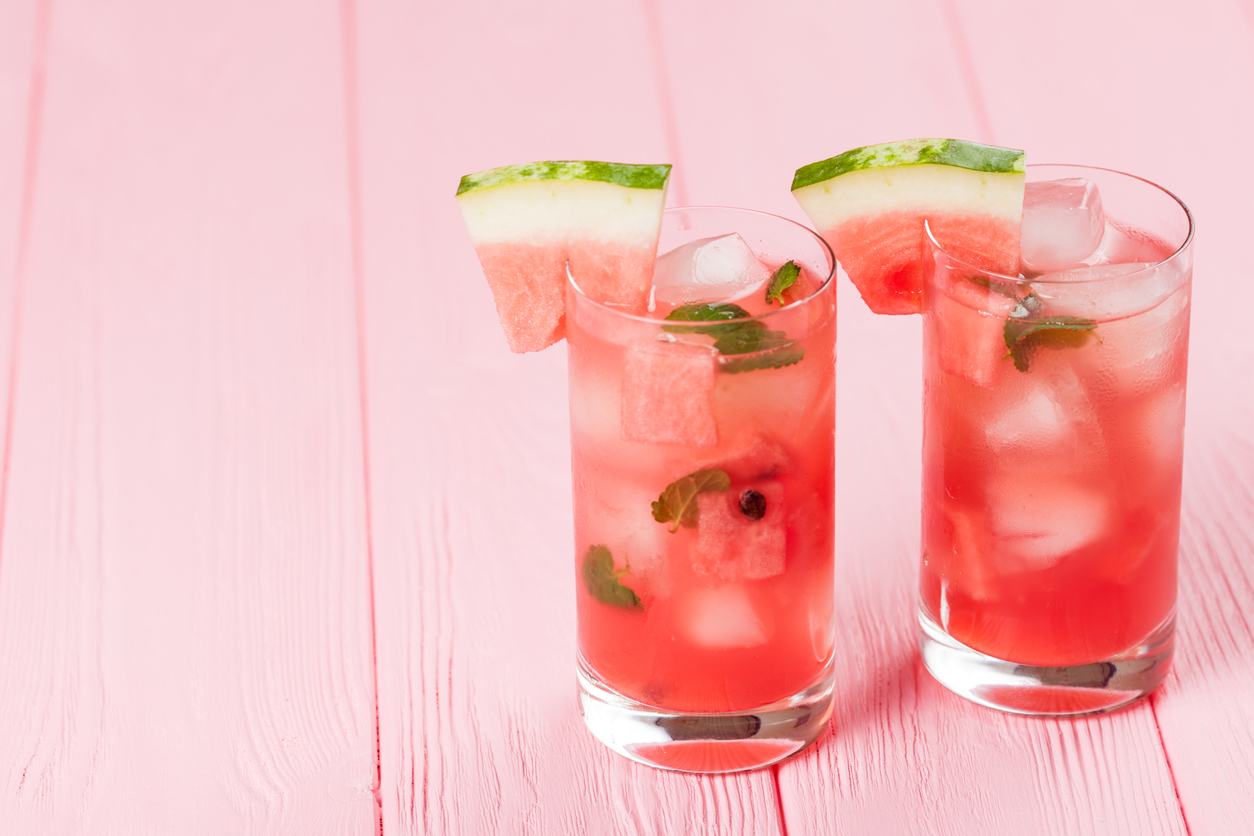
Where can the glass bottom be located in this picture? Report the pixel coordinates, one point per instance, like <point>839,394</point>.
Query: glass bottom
<point>1064,691</point>
<point>705,743</point>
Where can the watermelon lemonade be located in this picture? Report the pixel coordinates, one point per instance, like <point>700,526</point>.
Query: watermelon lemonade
<point>702,435</point>
<point>1053,446</point>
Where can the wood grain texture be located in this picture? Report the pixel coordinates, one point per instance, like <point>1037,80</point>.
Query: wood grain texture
<point>760,91</point>
<point>904,755</point>
<point>1157,86</point>
<point>470,461</point>
<point>184,590</point>
<point>23,39</point>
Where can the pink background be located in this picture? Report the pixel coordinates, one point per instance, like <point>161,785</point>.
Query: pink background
<point>285,537</point>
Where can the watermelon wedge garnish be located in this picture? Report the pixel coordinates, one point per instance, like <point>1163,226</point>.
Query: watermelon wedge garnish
<point>870,204</point>
<point>527,221</point>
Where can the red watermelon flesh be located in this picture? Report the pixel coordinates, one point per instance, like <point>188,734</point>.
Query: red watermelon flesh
<point>528,283</point>
<point>968,323</point>
<point>732,547</point>
<point>666,394</point>
<point>885,255</point>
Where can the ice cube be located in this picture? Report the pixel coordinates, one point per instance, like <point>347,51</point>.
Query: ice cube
<point>1154,427</point>
<point>721,269</point>
<point>731,545</point>
<point>1141,354</point>
<point>1049,413</point>
<point>1039,522</point>
<point>723,618</point>
<point>620,517</point>
<point>1032,423</point>
<point>1062,224</point>
<point>596,408</point>
<point>666,393</point>
<point>1107,291</point>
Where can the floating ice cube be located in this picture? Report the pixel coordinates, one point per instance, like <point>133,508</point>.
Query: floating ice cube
<point>1141,354</point>
<point>1155,426</point>
<point>1041,521</point>
<point>730,545</point>
<point>666,393</point>
<point>1107,291</point>
<point>1062,224</point>
<point>1092,273</point>
<point>1050,412</point>
<point>620,517</point>
<point>596,408</point>
<point>721,269</point>
<point>1032,423</point>
<point>722,618</point>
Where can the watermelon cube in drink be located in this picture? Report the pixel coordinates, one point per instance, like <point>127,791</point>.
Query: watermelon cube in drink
<point>702,434</point>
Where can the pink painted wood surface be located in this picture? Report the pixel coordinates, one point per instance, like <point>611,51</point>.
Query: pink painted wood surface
<point>184,589</point>
<point>278,494</point>
<point>470,462</point>
<point>23,37</point>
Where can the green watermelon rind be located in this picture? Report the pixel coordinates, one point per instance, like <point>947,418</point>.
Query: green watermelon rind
<point>952,152</point>
<point>619,174</point>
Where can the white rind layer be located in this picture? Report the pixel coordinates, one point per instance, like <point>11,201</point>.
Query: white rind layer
<point>923,188</point>
<point>545,211</point>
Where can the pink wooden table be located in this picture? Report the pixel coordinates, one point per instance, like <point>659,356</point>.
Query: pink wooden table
<point>285,537</point>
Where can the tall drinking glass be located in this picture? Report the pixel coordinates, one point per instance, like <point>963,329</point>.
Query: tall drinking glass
<point>703,467</point>
<point>1052,452</point>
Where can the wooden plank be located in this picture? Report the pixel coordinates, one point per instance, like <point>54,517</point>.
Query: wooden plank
<point>469,445</point>
<point>759,95</point>
<point>23,38</point>
<point>184,590</point>
<point>1145,89</point>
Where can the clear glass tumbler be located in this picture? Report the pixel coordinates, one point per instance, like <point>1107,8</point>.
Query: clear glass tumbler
<point>702,442</point>
<point>1052,456</point>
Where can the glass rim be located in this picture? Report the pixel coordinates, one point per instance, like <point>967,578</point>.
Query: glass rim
<point>1188,238</point>
<point>791,306</point>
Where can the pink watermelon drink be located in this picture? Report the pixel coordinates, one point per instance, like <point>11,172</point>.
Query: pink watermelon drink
<point>702,452</point>
<point>1053,433</point>
<point>1056,311</point>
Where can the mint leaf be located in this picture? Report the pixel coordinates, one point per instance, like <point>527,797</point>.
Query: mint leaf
<point>781,280</point>
<point>734,332</point>
<point>677,504</point>
<point>1024,336</point>
<point>752,338</point>
<point>776,359</point>
<point>602,581</point>
<point>709,312</point>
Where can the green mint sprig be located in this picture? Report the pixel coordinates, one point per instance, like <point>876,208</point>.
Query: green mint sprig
<point>781,280</point>
<point>677,504</point>
<point>734,333</point>
<point>711,312</point>
<point>1023,335</point>
<point>603,582</point>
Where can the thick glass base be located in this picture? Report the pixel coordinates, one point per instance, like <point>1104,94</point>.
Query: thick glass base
<point>705,743</point>
<point>1066,691</point>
